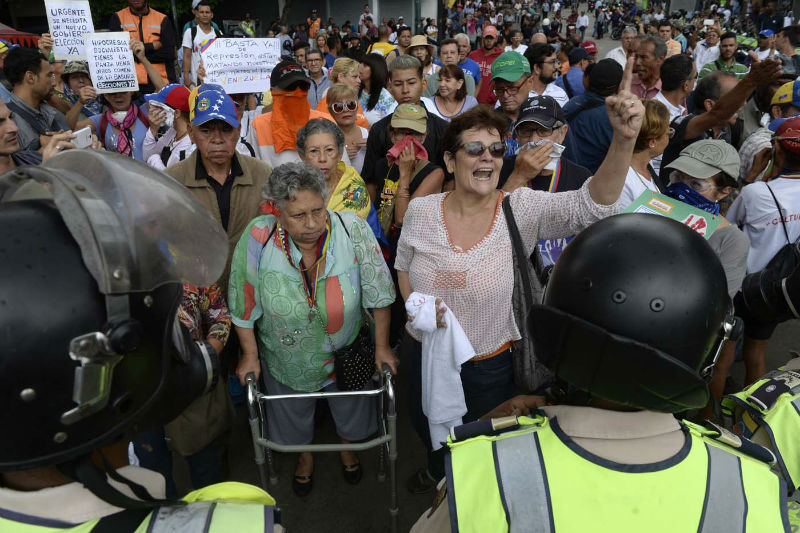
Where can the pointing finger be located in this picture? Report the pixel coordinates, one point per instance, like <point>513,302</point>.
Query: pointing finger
<point>627,75</point>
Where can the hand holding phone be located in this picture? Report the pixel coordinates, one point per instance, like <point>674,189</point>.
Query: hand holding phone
<point>83,138</point>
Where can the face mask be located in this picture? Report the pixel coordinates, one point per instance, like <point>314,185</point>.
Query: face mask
<point>682,192</point>
<point>170,119</point>
<point>119,116</point>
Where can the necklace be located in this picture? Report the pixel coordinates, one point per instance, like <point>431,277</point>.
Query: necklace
<point>642,179</point>
<point>309,287</point>
<point>447,112</point>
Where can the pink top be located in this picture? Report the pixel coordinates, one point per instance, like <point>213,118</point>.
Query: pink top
<point>477,284</point>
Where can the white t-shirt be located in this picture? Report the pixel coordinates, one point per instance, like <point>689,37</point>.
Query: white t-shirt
<point>674,112</point>
<point>200,39</point>
<point>520,49</point>
<point>635,185</point>
<point>756,212</point>
<point>762,54</point>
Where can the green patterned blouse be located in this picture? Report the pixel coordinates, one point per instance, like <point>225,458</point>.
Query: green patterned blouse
<point>266,290</point>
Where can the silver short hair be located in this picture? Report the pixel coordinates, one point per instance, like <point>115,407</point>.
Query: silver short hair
<point>629,30</point>
<point>461,37</point>
<point>290,178</point>
<point>319,125</point>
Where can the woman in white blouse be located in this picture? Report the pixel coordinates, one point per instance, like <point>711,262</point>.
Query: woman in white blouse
<point>651,143</point>
<point>456,246</point>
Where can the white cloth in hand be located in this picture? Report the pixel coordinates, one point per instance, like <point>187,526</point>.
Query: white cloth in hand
<point>444,350</point>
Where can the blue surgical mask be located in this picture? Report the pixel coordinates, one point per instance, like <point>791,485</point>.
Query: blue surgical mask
<point>684,193</point>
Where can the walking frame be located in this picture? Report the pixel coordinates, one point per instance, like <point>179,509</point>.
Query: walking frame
<point>386,439</point>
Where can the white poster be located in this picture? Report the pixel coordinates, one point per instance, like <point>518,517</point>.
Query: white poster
<point>111,62</point>
<point>241,65</point>
<point>69,21</point>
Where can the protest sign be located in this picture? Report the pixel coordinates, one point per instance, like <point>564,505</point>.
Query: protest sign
<point>241,65</point>
<point>111,62</point>
<point>654,203</point>
<point>69,20</point>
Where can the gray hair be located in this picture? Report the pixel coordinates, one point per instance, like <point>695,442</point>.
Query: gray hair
<point>629,30</point>
<point>315,126</point>
<point>461,37</point>
<point>290,178</point>
<point>659,46</point>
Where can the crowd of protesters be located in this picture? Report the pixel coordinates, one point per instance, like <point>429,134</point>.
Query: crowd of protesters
<point>376,164</point>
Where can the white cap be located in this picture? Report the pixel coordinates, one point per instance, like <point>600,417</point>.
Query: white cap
<point>546,22</point>
<point>194,3</point>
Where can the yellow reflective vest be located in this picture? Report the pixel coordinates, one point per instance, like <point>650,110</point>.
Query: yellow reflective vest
<point>224,507</point>
<point>773,405</point>
<point>537,480</point>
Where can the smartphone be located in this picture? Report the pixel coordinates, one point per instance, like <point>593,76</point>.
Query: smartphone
<point>708,22</point>
<point>83,138</point>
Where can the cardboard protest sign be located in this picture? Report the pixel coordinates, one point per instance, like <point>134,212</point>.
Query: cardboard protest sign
<point>111,62</point>
<point>241,65</point>
<point>69,21</point>
<point>654,203</point>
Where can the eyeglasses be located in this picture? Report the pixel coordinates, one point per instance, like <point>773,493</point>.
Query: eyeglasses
<point>552,62</point>
<point>339,107</point>
<point>524,133</point>
<point>512,90</point>
<point>697,185</point>
<point>476,149</point>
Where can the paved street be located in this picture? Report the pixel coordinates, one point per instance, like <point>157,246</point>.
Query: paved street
<point>334,506</point>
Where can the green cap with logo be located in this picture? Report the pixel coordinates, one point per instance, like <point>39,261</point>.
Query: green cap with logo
<point>510,66</point>
<point>411,116</point>
<point>706,158</point>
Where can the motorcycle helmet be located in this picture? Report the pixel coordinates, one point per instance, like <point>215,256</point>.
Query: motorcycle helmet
<point>95,249</point>
<point>635,312</point>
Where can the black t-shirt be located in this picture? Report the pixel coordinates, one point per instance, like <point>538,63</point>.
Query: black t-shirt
<point>571,178</point>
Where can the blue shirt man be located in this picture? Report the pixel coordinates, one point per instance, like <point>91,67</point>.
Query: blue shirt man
<point>572,81</point>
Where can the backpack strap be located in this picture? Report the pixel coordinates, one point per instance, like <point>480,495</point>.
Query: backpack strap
<point>780,214</point>
<point>567,86</point>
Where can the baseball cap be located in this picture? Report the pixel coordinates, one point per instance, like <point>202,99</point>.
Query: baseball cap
<point>5,46</point>
<point>788,93</point>
<point>287,72</point>
<point>543,110</point>
<point>776,123</point>
<point>490,30</point>
<point>510,66</point>
<point>214,105</point>
<point>766,33</point>
<point>577,55</point>
<point>788,135</point>
<point>605,77</point>
<point>174,95</point>
<point>590,47</point>
<point>411,116</point>
<point>74,67</point>
<point>703,159</point>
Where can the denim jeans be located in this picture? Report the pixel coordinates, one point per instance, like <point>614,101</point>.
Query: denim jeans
<point>486,384</point>
<point>153,453</point>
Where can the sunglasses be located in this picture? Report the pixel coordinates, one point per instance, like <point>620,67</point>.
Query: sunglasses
<point>476,149</point>
<point>339,107</point>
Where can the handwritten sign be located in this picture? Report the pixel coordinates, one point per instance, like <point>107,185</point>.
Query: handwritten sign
<point>551,249</point>
<point>241,65</point>
<point>654,203</point>
<point>69,20</point>
<point>111,62</point>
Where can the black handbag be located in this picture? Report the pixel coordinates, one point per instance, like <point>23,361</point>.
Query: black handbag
<point>779,267</point>
<point>354,364</point>
<point>529,373</point>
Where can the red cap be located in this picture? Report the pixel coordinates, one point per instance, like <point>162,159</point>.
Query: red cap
<point>788,135</point>
<point>590,47</point>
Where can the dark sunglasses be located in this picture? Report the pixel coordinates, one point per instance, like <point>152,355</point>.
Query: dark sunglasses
<point>338,107</point>
<point>476,149</point>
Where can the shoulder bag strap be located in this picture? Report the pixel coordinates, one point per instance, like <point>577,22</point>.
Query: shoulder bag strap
<point>567,86</point>
<point>28,116</point>
<point>519,250</point>
<point>126,521</point>
<point>780,213</point>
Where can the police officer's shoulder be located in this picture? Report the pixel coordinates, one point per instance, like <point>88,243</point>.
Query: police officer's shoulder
<point>726,440</point>
<point>498,427</point>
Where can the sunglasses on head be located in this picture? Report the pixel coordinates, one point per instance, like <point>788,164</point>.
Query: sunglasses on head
<point>476,148</point>
<point>339,107</point>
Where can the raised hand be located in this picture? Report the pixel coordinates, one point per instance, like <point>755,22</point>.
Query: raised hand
<point>625,109</point>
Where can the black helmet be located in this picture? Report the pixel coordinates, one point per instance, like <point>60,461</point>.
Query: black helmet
<point>93,251</point>
<point>634,307</point>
